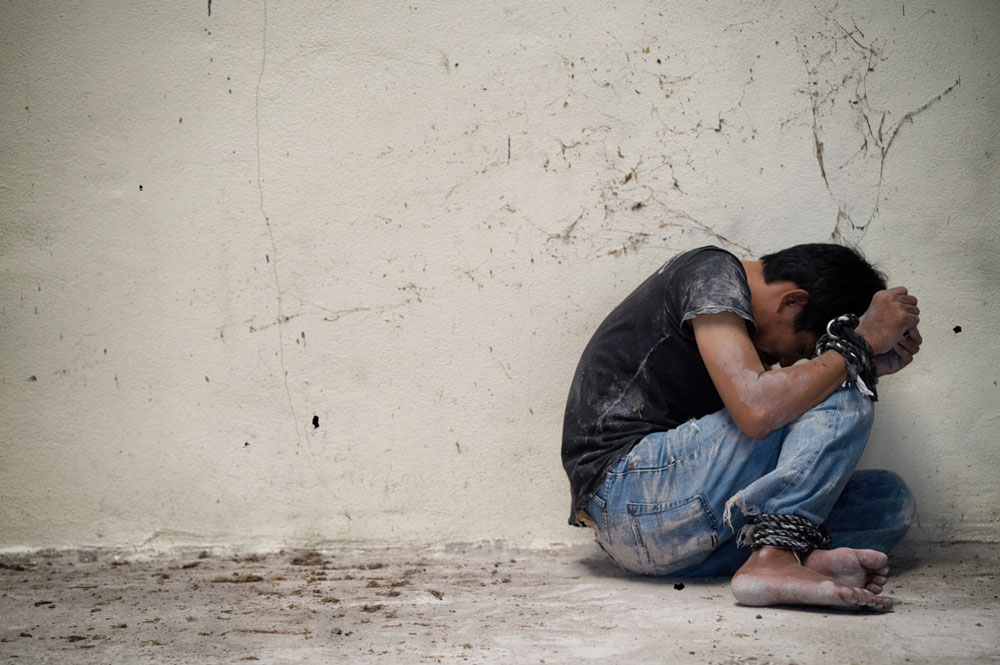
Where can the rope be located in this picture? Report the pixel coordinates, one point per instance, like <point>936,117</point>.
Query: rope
<point>787,532</point>
<point>858,354</point>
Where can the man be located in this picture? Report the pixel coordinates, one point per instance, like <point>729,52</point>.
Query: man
<point>690,457</point>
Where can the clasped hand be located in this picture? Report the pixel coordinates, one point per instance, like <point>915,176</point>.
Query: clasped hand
<point>890,326</point>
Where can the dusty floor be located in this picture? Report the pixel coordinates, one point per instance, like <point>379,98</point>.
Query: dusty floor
<point>468,604</point>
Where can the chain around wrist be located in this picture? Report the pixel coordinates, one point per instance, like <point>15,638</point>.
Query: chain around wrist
<point>859,357</point>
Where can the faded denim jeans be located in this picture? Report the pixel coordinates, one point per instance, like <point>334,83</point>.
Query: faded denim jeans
<point>674,504</point>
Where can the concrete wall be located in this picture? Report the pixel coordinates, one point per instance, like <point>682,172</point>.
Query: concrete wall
<point>222,222</point>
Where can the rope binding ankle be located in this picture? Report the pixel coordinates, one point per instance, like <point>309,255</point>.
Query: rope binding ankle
<point>787,532</point>
<point>859,357</point>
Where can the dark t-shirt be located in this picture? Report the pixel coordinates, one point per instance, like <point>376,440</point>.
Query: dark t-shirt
<point>641,372</point>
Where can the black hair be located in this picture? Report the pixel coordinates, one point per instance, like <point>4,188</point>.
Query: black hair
<point>838,279</point>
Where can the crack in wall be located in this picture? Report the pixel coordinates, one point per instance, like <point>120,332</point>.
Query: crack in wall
<point>883,146</point>
<point>630,191</point>
<point>336,315</point>
<point>281,318</point>
<point>908,117</point>
<point>835,76</point>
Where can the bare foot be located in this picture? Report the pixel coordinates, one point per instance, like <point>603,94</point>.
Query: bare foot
<point>773,576</point>
<point>866,569</point>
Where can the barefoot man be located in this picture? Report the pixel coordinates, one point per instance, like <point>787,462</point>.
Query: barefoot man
<point>689,456</point>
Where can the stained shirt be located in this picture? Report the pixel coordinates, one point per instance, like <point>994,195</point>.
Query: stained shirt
<point>641,372</point>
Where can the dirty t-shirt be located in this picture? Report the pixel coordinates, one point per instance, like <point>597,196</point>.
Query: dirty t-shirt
<point>641,372</point>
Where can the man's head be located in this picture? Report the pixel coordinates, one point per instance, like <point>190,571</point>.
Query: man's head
<point>838,280</point>
<point>805,287</point>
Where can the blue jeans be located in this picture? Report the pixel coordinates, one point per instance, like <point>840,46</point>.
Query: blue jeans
<point>674,504</point>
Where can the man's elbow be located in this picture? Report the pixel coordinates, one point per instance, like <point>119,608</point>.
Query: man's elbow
<point>757,424</point>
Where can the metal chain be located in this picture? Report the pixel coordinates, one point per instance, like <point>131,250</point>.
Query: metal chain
<point>859,357</point>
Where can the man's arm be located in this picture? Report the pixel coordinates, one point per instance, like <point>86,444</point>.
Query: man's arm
<point>760,401</point>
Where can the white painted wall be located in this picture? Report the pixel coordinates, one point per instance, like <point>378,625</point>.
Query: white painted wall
<point>406,220</point>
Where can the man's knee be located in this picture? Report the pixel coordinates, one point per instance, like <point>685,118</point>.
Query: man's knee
<point>907,502</point>
<point>851,405</point>
<point>889,489</point>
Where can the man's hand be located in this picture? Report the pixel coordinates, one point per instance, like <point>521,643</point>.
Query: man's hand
<point>900,355</point>
<point>892,314</point>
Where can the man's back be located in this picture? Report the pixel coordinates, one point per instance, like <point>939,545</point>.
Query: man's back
<point>641,371</point>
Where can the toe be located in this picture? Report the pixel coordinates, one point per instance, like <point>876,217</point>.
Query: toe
<point>873,560</point>
<point>866,598</point>
<point>884,604</point>
<point>878,602</point>
<point>850,595</point>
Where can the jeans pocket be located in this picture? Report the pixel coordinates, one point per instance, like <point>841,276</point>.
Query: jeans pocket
<point>674,535</point>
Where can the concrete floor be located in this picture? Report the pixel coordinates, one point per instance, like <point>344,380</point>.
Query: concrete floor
<point>468,604</point>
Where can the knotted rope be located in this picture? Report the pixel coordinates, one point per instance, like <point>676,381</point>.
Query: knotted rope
<point>787,532</point>
<point>859,357</point>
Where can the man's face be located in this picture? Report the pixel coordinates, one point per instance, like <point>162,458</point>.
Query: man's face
<point>777,341</point>
<point>783,345</point>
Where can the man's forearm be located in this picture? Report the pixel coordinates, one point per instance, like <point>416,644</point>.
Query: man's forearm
<point>783,395</point>
<point>761,401</point>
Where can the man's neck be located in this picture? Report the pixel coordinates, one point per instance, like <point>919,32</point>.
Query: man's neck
<point>758,287</point>
<point>755,272</point>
